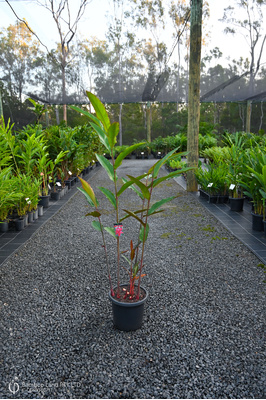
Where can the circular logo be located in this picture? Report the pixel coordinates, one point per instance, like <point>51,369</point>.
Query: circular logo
<point>13,387</point>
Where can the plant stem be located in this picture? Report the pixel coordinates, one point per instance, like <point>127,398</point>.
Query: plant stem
<point>144,240</point>
<point>106,256</point>
<point>117,221</point>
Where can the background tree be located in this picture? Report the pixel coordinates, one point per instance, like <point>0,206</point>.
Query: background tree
<point>67,29</point>
<point>250,27</point>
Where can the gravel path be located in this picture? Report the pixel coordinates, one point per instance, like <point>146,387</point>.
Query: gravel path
<point>203,332</point>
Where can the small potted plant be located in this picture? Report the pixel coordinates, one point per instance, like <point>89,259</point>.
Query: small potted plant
<point>127,298</point>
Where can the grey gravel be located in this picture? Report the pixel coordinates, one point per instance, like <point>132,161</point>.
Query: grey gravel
<point>203,334</point>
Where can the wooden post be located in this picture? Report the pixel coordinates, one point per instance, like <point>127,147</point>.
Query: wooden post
<point>148,121</point>
<point>248,121</point>
<point>194,92</point>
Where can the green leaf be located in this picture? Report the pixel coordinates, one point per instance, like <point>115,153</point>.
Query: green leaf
<point>95,214</point>
<point>87,114</point>
<point>99,110</point>
<point>111,231</point>
<point>125,153</point>
<point>88,192</point>
<point>132,214</point>
<point>156,167</point>
<point>102,136</point>
<point>141,234</point>
<point>124,187</point>
<point>143,210</point>
<point>112,134</point>
<point>106,165</point>
<point>143,188</point>
<point>96,225</point>
<point>110,196</point>
<point>131,186</point>
<point>159,204</point>
<point>170,176</point>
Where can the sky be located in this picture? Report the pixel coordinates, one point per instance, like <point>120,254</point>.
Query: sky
<point>93,23</point>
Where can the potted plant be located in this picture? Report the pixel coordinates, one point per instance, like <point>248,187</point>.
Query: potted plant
<point>235,170</point>
<point>254,183</point>
<point>9,196</point>
<point>127,298</point>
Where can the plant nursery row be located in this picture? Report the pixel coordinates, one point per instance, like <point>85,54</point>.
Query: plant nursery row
<point>235,172</point>
<point>37,165</point>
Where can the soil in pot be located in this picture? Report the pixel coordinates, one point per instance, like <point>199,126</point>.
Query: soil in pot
<point>128,313</point>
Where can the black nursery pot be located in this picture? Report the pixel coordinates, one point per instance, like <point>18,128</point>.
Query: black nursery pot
<point>236,204</point>
<point>257,222</point>
<point>128,316</point>
<point>55,195</point>
<point>44,201</point>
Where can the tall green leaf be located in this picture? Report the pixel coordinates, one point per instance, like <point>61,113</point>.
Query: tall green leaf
<point>110,196</point>
<point>125,153</point>
<point>143,188</point>
<point>112,134</point>
<point>96,225</point>
<point>99,110</point>
<point>111,231</point>
<point>156,167</point>
<point>87,114</point>
<point>106,165</point>
<point>159,204</point>
<point>132,214</point>
<point>131,186</point>
<point>170,176</point>
<point>89,192</point>
<point>141,234</point>
<point>102,136</point>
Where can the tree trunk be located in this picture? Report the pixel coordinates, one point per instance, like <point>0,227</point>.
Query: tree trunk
<point>248,121</point>
<point>194,92</point>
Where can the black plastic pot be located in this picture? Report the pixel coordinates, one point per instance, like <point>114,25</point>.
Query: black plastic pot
<point>55,196</point>
<point>3,226</point>
<point>35,214</point>
<point>19,224</point>
<point>128,316</point>
<point>264,225</point>
<point>257,222</point>
<point>44,201</point>
<point>30,217</point>
<point>236,204</point>
<point>222,199</point>
<point>39,211</point>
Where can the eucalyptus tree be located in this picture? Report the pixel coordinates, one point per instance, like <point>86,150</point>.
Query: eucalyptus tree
<point>251,26</point>
<point>179,12</point>
<point>66,21</point>
<point>94,58</point>
<point>19,51</point>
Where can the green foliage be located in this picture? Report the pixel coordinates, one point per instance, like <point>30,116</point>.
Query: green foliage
<point>143,185</point>
<point>212,179</point>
